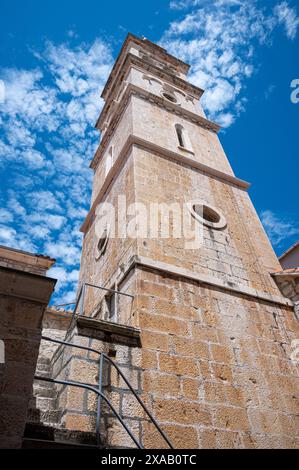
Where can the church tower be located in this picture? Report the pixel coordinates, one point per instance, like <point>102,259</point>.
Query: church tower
<point>213,359</point>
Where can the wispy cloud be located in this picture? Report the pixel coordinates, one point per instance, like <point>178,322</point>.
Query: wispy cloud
<point>279,229</point>
<point>218,38</point>
<point>46,139</point>
<point>287,16</point>
<point>48,112</point>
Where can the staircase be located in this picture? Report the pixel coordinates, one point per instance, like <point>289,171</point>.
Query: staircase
<point>43,404</point>
<point>43,429</point>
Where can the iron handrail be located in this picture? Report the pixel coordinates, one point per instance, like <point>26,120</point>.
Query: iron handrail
<point>82,294</point>
<point>109,290</point>
<point>104,356</point>
<point>100,394</point>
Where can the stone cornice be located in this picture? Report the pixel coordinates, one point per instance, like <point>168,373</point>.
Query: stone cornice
<point>173,270</point>
<point>132,60</point>
<point>145,44</point>
<point>285,275</point>
<point>108,331</point>
<point>25,285</point>
<point>162,152</point>
<point>133,90</point>
<point>24,257</point>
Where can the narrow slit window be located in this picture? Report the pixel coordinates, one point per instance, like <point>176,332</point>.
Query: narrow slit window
<point>111,307</point>
<point>109,160</point>
<point>179,131</point>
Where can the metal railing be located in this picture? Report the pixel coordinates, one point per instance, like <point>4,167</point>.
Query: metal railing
<point>101,396</point>
<point>79,303</point>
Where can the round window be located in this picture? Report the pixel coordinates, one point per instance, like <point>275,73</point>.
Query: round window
<point>169,97</point>
<point>209,216</point>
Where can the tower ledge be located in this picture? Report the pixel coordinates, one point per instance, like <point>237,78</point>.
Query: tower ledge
<point>159,52</point>
<point>120,83</point>
<point>159,101</point>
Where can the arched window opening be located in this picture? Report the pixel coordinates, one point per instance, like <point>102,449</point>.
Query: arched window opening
<point>183,139</point>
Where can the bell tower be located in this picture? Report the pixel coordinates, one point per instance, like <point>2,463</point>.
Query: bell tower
<point>213,362</point>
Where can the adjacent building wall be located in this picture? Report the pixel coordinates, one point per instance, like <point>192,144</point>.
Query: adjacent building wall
<point>24,293</point>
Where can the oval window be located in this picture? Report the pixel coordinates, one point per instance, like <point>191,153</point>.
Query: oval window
<point>209,216</point>
<point>169,97</point>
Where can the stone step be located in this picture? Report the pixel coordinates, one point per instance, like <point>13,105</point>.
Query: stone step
<point>45,392</point>
<point>36,415</point>
<point>43,360</point>
<point>42,403</point>
<point>43,368</point>
<point>43,384</point>
<point>43,373</point>
<point>49,436</point>
<point>29,443</point>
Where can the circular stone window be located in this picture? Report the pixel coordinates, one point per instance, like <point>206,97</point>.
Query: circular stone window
<point>169,97</point>
<point>102,243</point>
<point>209,216</point>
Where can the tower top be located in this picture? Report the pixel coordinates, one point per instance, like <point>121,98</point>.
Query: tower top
<point>152,53</point>
<point>153,61</point>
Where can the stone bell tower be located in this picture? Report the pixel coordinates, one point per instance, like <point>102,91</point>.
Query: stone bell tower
<point>213,363</point>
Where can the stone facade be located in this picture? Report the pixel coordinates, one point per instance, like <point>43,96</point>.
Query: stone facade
<point>24,294</point>
<point>290,259</point>
<point>213,364</point>
<point>288,283</point>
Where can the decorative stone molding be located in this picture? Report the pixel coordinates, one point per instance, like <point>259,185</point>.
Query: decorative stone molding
<point>108,331</point>
<point>163,153</point>
<point>22,260</point>
<point>132,60</point>
<point>124,56</point>
<point>288,283</point>
<point>133,90</point>
<point>201,208</point>
<point>206,279</point>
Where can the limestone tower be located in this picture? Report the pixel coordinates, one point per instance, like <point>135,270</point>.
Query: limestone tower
<point>213,362</point>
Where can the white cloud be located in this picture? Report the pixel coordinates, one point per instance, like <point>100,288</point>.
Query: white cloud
<point>287,16</point>
<point>216,38</point>
<point>44,201</point>
<point>10,237</point>
<point>5,216</point>
<point>278,229</point>
<point>47,117</point>
<point>68,254</point>
<point>7,235</point>
<point>52,221</point>
<point>66,285</point>
<point>26,97</point>
<point>38,231</point>
<point>46,139</point>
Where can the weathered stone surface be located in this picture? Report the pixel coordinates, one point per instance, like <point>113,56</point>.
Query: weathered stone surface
<point>24,295</point>
<point>214,361</point>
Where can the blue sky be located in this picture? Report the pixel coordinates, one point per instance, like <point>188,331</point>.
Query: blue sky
<point>54,60</point>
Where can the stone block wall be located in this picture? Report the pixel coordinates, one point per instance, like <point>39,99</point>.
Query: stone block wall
<point>240,253</point>
<point>216,366</point>
<point>157,124</point>
<point>119,251</point>
<point>23,298</point>
<point>213,367</point>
